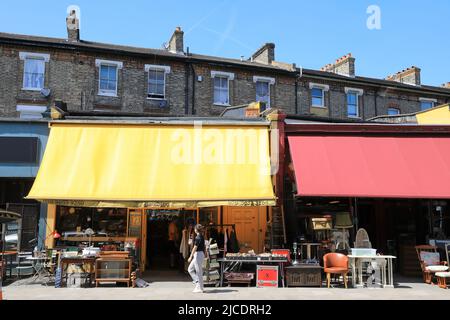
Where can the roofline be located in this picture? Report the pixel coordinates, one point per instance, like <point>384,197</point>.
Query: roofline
<point>374,128</point>
<point>410,114</point>
<point>374,82</point>
<point>172,121</point>
<point>191,58</point>
<point>29,121</point>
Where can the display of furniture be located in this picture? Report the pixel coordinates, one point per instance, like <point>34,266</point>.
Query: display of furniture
<point>430,262</point>
<point>87,265</point>
<point>385,263</point>
<point>304,275</point>
<point>442,279</point>
<point>224,262</point>
<point>335,263</point>
<point>211,268</point>
<point>113,268</point>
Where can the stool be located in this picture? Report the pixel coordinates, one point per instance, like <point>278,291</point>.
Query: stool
<point>442,279</point>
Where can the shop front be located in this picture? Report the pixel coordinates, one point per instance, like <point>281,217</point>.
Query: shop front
<point>22,145</point>
<point>140,186</point>
<point>392,181</point>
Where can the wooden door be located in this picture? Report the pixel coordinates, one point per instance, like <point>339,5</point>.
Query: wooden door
<point>137,228</point>
<point>250,222</point>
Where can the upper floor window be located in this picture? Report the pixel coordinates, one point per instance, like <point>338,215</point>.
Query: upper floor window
<point>108,77</point>
<point>426,104</point>
<point>353,101</point>
<point>34,70</point>
<point>156,81</point>
<point>318,94</point>
<point>393,111</point>
<point>222,87</point>
<point>263,89</point>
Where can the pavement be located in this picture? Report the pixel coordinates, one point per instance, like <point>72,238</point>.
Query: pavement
<point>181,289</point>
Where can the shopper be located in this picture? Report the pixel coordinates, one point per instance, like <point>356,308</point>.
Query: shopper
<point>196,259</point>
<point>173,242</point>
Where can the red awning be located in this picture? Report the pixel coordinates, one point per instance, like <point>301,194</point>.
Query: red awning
<point>372,166</point>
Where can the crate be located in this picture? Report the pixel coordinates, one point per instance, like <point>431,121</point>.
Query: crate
<point>267,276</point>
<point>304,277</point>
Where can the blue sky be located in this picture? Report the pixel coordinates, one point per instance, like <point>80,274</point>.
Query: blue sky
<point>309,33</point>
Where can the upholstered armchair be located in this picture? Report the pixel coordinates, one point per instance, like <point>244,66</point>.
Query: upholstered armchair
<point>335,263</point>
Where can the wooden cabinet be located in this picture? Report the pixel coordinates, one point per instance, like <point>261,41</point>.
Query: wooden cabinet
<point>112,269</point>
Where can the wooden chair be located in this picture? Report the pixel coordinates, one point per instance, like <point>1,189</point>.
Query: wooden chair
<point>335,263</point>
<point>430,263</point>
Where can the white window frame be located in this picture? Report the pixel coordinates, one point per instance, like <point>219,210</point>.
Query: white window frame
<point>434,101</point>
<point>359,93</point>
<point>33,55</point>
<point>166,70</point>
<point>270,81</point>
<point>324,88</point>
<point>119,66</point>
<point>220,74</point>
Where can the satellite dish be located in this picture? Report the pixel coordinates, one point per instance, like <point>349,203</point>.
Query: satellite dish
<point>165,45</point>
<point>45,92</point>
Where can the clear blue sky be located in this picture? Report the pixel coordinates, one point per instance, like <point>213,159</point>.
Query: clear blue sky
<point>310,33</point>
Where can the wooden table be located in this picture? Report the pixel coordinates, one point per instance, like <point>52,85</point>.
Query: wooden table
<point>65,261</point>
<point>304,275</point>
<point>224,262</point>
<point>387,276</point>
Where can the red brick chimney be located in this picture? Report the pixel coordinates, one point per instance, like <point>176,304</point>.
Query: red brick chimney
<point>73,26</point>
<point>344,66</point>
<point>408,76</point>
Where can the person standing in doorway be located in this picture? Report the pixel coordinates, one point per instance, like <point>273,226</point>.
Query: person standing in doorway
<point>196,259</point>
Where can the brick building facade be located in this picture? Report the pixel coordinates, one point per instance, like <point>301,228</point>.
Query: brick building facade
<point>91,76</point>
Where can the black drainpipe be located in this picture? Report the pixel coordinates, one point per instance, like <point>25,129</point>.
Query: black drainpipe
<point>186,86</point>
<point>193,88</point>
<point>296,95</point>
<point>376,105</point>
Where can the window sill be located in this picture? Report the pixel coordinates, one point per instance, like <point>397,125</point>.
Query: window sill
<point>354,117</point>
<point>222,104</point>
<point>157,99</point>
<point>32,89</point>
<point>319,107</point>
<point>112,95</point>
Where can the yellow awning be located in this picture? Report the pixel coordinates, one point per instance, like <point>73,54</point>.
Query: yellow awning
<point>135,165</point>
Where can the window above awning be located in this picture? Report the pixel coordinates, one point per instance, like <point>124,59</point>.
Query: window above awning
<point>132,165</point>
<point>407,166</point>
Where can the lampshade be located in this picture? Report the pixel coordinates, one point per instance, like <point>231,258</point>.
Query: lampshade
<point>343,220</point>
<point>56,235</point>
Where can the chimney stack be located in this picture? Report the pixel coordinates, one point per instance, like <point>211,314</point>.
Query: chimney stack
<point>446,85</point>
<point>176,42</point>
<point>408,76</point>
<point>344,66</point>
<point>265,54</point>
<point>73,26</point>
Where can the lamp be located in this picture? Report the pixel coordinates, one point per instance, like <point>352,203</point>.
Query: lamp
<point>343,221</point>
<point>55,235</point>
<point>90,233</point>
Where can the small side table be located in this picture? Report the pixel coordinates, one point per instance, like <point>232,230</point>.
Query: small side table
<point>304,275</point>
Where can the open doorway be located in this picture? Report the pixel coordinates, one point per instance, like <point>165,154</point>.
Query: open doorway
<point>164,233</point>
